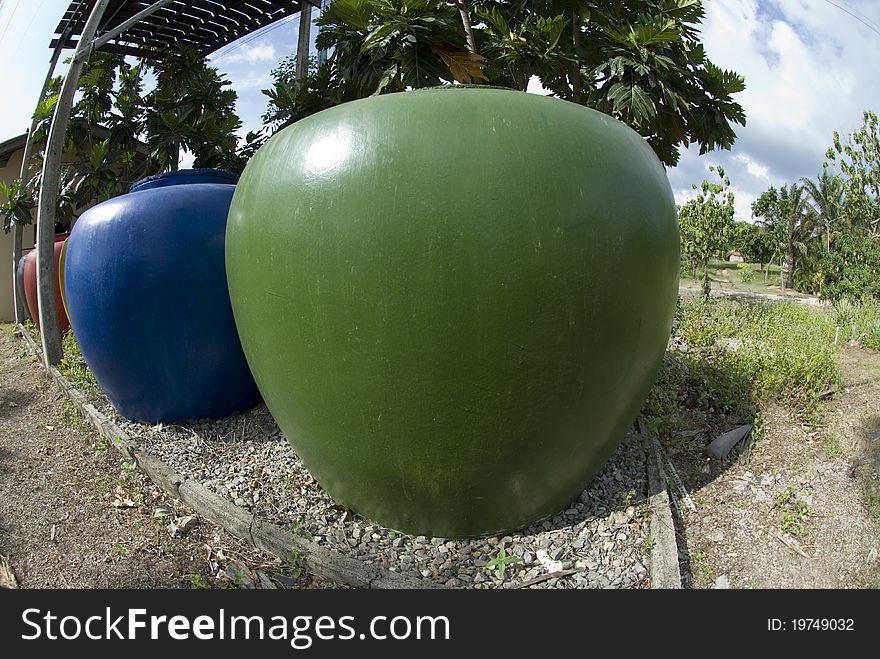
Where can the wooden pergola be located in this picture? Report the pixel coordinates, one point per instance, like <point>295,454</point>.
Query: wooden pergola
<point>148,30</point>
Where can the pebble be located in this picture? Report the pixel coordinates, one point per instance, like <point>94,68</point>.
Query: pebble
<point>245,457</point>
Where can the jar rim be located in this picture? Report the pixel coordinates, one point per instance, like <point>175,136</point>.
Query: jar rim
<point>185,176</point>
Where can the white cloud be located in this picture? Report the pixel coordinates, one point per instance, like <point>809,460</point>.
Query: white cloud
<point>755,169</point>
<point>810,69</point>
<point>262,52</point>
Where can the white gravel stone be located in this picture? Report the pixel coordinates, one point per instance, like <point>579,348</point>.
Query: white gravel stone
<point>246,458</point>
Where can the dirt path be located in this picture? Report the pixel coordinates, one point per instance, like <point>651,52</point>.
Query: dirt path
<point>794,514</point>
<point>74,515</point>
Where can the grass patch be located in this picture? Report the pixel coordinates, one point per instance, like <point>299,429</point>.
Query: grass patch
<point>67,414</point>
<point>726,275</point>
<point>73,366</point>
<point>833,447</point>
<point>737,356</point>
<point>197,582</point>
<point>783,350</point>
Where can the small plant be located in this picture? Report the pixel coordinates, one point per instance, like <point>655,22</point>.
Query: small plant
<point>795,512</point>
<point>67,414</point>
<point>197,581</point>
<point>501,562</point>
<point>297,529</point>
<point>833,447</point>
<point>295,563</point>
<point>759,427</point>
<point>648,545</point>
<point>700,564</point>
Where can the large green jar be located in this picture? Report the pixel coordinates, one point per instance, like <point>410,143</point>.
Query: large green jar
<point>454,301</point>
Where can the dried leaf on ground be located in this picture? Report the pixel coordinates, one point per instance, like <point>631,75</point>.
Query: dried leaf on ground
<point>7,576</point>
<point>121,499</point>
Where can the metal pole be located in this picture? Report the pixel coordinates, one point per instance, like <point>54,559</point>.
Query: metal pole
<point>303,41</point>
<point>46,276</point>
<point>23,176</point>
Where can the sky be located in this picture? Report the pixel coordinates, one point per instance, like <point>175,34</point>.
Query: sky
<point>811,67</point>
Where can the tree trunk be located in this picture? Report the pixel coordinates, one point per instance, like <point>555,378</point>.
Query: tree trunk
<point>576,67</point>
<point>464,12</point>
<point>789,277</point>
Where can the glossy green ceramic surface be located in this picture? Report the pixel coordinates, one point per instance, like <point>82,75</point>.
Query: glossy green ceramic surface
<point>454,301</point>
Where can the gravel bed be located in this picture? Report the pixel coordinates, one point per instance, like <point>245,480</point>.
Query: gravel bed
<point>600,541</point>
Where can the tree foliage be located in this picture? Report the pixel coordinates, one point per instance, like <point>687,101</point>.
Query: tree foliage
<point>852,270</point>
<point>859,159</point>
<point>191,108</point>
<point>756,243</point>
<point>117,135</point>
<point>706,223</point>
<point>827,195</point>
<point>640,61</point>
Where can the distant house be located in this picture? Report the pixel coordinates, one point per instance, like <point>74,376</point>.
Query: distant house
<point>11,154</point>
<point>736,257</point>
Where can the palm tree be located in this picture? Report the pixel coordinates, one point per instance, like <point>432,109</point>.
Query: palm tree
<point>826,193</point>
<point>797,225</point>
<point>787,215</point>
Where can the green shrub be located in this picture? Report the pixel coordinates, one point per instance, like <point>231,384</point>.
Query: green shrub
<point>746,274</point>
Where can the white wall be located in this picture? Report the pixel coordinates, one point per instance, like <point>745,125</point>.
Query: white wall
<point>9,172</point>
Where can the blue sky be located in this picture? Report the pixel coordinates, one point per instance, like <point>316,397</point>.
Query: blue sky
<point>811,67</point>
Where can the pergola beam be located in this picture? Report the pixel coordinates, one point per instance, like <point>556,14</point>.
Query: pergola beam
<point>119,29</point>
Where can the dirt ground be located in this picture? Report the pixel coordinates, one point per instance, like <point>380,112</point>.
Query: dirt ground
<point>73,514</point>
<point>796,511</point>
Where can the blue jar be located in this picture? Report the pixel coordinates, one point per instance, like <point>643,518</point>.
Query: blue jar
<point>145,286</point>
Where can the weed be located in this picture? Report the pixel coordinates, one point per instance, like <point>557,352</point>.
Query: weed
<point>795,512</point>
<point>297,529</point>
<point>704,573</point>
<point>833,447</point>
<point>73,366</point>
<point>67,414</point>
<point>197,581</point>
<point>501,562</point>
<point>295,563</point>
<point>648,545</point>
